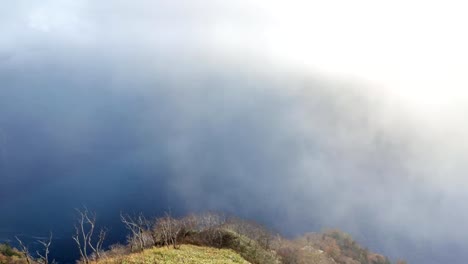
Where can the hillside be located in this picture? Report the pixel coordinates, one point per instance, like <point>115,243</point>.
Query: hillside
<point>188,254</point>
<point>330,247</point>
<point>9,255</point>
<point>212,238</point>
<point>340,247</point>
<point>204,238</point>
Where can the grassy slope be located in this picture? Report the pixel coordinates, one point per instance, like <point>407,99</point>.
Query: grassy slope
<point>186,254</point>
<point>9,255</point>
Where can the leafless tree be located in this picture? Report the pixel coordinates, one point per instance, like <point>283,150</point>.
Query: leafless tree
<point>97,247</point>
<point>44,258</point>
<point>168,230</point>
<point>85,227</point>
<point>25,251</point>
<point>211,224</point>
<point>140,229</point>
<point>211,220</point>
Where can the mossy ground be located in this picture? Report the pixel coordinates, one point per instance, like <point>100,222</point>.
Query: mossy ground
<point>186,254</point>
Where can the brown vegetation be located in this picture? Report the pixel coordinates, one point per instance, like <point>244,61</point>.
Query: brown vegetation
<point>10,255</point>
<point>342,248</point>
<point>253,242</point>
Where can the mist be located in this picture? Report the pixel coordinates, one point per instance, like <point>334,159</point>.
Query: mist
<point>157,106</point>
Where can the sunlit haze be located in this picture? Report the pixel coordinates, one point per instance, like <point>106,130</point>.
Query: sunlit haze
<point>414,50</point>
<point>301,115</point>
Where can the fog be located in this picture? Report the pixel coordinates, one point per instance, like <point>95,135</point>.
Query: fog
<point>155,105</point>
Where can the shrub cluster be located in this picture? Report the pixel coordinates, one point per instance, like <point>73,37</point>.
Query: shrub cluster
<point>10,255</point>
<point>250,240</point>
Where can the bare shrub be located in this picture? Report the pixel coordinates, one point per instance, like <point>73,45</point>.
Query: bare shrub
<point>117,250</point>
<point>140,231</point>
<point>44,257</point>
<point>24,251</point>
<point>84,232</point>
<point>209,229</point>
<point>288,255</point>
<point>169,230</point>
<point>251,230</point>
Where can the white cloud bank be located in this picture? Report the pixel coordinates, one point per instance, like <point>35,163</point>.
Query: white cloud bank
<point>255,98</point>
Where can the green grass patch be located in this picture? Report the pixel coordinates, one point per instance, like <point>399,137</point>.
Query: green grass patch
<point>187,254</point>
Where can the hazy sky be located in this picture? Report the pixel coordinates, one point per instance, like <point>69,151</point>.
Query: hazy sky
<point>310,113</point>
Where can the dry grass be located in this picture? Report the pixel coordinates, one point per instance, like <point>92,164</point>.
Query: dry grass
<point>187,254</point>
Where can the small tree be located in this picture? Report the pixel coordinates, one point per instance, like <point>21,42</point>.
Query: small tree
<point>140,229</point>
<point>209,227</point>
<point>168,229</point>
<point>86,224</point>
<point>44,258</point>
<point>25,251</point>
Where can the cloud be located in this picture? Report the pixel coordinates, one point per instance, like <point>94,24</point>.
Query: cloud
<point>163,104</point>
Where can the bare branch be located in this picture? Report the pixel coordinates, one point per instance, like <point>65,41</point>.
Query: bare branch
<point>25,251</point>
<point>140,229</point>
<point>46,244</point>
<point>86,224</point>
